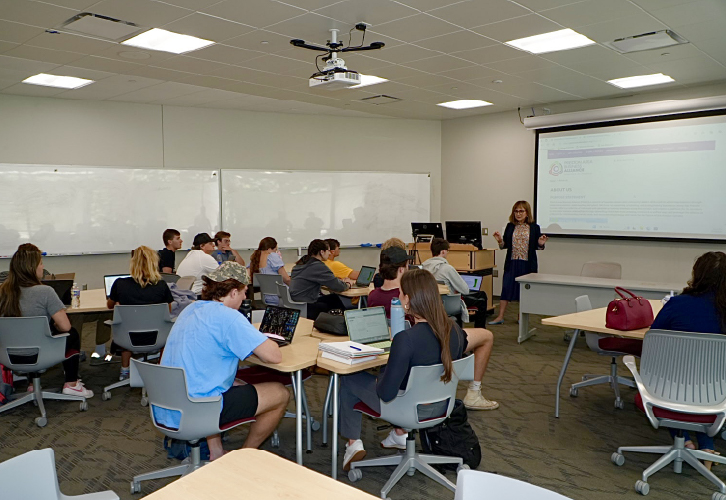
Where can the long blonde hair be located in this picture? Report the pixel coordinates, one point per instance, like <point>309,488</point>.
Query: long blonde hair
<point>393,242</point>
<point>145,266</point>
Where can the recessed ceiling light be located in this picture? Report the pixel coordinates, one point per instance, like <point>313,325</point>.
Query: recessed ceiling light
<point>62,82</point>
<point>158,39</point>
<point>366,80</point>
<point>496,81</point>
<point>641,81</point>
<point>464,104</point>
<point>551,42</point>
<point>264,42</point>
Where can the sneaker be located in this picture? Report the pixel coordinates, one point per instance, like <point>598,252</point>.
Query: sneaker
<point>394,441</point>
<point>97,359</point>
<point>78,390</point>
<point>125,374</point>
<point>475,401</point>
<point>353,453</point>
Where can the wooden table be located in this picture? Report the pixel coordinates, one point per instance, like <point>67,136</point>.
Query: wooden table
<point>590,321</point>
<point>92,301</point>
<point>256,474</point>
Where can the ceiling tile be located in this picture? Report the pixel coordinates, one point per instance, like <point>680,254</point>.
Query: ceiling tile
<point>45,55</point>
<point>660,4</point>
<point>439,64</point>
<point>89,74</point>
<point>413,28</point>
<point>521,64</point>
<point>6,46</point>
<point>105,64</point>
<point>363,64</point>
<point>313,28</point>
<point>401,53</point>
<point>591,11</point>
<point>16,32</point>
<point>34,13</point>
<point>396,72</point>
<point>193,4</point>
<point>70,43</point>
<point>257,13</point>
<point>373,12</point>
<point>472,73</point>
<point>110,87</point>
<point>536,92</point>
<point>620,28</point>
<point>16,68</point>
<point>426,5</point>
<point>520,27</point>
<point>472,13</point>
<point>311,4</point>
<point>242,74</point>
<point>253,41</point>
<point>197,98</point>
<point>141,12</point>
<point>218,83</point>
<point>607,69</point>
<point>690,13</point>
<point>694,69</point>
<point>567,81</point>
<point>158,73</point>
<point>457,41</point>
<point>164,90</point>
<point>714,47</point>
<point>280,65</point>
<point>74,4</point>
<point>456,89</point>
<point>207,27</point>
<point>189,65</point>
<point>673,54</point>
<point>498,52</point>
<point>541,5</point>
<point>32,90</point>
<point>706,30</point>
<point>224,54</point>
<point>506,81</point>
<point>590,53</point>
<point>421,95</point>
<point>425,80</point>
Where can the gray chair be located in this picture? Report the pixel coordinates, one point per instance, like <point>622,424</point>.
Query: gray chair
<point>167,388</point>
<point>27,346</point>
<point>32,476</point>
<point>470,485</point>
<point>452,306</point>
<point>593,342</point>
<point>185,282</point>
<point>286,300</point>
<point>141,330</point>
<point>424,390</point>
<point>170,278</point>
<point>682,385</point>
<point>595,269</point>
<point>268,284</point>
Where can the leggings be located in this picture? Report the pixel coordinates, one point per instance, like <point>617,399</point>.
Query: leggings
<point>324,303</point>
<point>70,365</point>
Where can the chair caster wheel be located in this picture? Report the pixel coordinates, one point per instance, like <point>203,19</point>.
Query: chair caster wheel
<point>144,402</point>
<point>462,467</point>
<point>642,487</point>
<point>355,475</point>
<point>718,496</point>
<point>567,337</point>
<point>315,425</point>
<point>617,458</point>
<point>573,392</point>
<point>41,421</point>
<point>619,404</point>
<point>106,395</point>
<point>275,441</point>
<point>135,488</point>
<point>84,406</point>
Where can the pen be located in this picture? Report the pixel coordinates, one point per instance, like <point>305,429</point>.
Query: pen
<point>356,348</point>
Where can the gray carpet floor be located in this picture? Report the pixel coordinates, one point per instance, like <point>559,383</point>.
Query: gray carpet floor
<point>106,446</point>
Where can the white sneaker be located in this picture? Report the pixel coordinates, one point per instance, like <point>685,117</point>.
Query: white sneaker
<point>475,401</point>
<point>393,440</point>
<point>353,453</point>
<point>78,390</point>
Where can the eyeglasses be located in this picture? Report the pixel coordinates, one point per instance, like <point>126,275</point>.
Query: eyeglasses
<point>520,211</point>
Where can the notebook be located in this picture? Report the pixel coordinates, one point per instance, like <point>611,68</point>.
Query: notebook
<point>365,276</point>
<point>368,326</point>
<point>279,324</point>
<point>109,280</point>
<point>62,289</point>
<point>474,282</point>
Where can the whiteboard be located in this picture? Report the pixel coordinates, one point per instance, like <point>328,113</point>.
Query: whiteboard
<point>67,210</point>
<point>295,207</point>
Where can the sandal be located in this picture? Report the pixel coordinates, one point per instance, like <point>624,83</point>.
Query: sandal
<point>708,463</point>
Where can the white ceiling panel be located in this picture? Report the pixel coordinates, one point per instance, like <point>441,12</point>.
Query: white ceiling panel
<point>71,43</point>
<point>608,70</point>
<point>257,13</point>
<point>164,90</point>
<point>208,27</point>
<point>439,64</point>
<point>520,64</point>
<point>542,5</point>
<point>520,27</point>
<point>373,12</point>
<point>472,73</point>
<point>6,46</point>
<point>79,5</point>
<point>224,54</point>
<point>425,80</point>
<point>499,52</point>
<point>197,98</point>
<point>401,54</point>
<point>666,54</point>
<point>32,90</point>
<point>280,65</point>
<point>158,73</point>
<point>453,42</point>
<point>190,65</point>
<point>360,63</point>
<point>472,13</point>
<point>413,28</point>
<point>191,4</point>
<point>45,55</point>
<point>568,81</point>
<point>14,66</point>
<point>591,11</point>
<point>109,87</point>
<point>34,13</point>
<point>690,70</point>
<point>312,28</point>
<point>426,5</point>
<point>619,28</point>
<point>105,64</point>
<point>16,32</point>
<point>694,12</point>
<point>142,12</point>
<point>660,4</point>
<point>89,74</point>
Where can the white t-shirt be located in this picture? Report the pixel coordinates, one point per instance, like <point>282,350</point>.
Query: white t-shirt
<point>197,263</point>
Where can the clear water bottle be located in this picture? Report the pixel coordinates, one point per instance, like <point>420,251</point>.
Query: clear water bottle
<point>75,296</point>
<point>398,319</point>
<point>218,256</point>
<point>246,309</point>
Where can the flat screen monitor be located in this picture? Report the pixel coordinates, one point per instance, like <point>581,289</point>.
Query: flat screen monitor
<point>432,228</point>
<point>465,232</point>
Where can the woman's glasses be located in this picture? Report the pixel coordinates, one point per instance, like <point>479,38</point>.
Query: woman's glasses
<point>520,211</point>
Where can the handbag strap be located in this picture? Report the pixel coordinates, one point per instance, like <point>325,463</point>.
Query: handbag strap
<point>633,296</point>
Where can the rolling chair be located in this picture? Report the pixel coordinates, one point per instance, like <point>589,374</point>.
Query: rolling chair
<point>471,483</point>
<point>424,388</point>
<point>167,389</point>
<point>170,278</point>
<point>185,282</point>
<point>268,284</point>
<point>286,301</point>
<point>594,269</point>
<point>141,330</point>
<point>682,385</point>
<point>452,306</point>
<point>27,346</point>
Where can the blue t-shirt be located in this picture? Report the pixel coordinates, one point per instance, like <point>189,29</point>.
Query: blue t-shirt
<point>223,255</point>
<point>207,340</point>
<point>689,313</point>
<point>274,263</point>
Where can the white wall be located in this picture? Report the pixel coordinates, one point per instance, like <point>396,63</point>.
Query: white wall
<point>68,132</point>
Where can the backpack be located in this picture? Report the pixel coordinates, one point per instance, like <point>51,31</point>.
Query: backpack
<point>331,323</point>
<point>180,450</point>
<point>453,437</point>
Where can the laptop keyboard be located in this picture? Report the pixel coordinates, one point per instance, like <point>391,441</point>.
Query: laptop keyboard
<point>385,344</point>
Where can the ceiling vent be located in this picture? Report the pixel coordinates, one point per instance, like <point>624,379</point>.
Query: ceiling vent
<point>102,27</point>
<point>380,99</point>
<point>646,41</point>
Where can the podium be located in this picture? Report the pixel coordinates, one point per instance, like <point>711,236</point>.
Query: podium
<point>466,259</point>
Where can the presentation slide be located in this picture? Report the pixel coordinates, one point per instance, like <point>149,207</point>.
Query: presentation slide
<point>659,179</point>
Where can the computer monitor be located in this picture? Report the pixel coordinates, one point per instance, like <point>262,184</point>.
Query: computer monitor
<point>432,228</point>
<point>465,232</point>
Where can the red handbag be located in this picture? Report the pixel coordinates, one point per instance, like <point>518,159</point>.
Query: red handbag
<point>628,313</point>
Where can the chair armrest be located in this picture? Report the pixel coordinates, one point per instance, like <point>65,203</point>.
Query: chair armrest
<point>208,399</point>
<point>101,495</point>
<point>59,335</point>
<point>110,322</point>
<point>648,399</point>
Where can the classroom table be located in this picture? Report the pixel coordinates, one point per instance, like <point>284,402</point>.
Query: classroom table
<point>256,474</point>
<point>363,293</point>
<point>92,301</point>
<point>554,295</point>
<point>590,321</point>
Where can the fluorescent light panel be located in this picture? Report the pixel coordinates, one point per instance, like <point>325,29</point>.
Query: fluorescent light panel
<point>166,41</point>
<point>464,104</point>
<point>551,42</point>
<point>641,81</point>
<point>366,80</point>
<point>61,82</point>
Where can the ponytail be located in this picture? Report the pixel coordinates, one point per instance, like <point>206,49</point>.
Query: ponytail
<point>314,248</point>
<point>268,243</point>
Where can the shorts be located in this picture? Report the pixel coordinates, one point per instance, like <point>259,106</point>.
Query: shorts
<point>238,403</point>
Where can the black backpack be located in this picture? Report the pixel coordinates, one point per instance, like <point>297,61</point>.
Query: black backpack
<point>453,437</point>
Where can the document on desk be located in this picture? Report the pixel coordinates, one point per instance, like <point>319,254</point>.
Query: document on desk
<point>348,352</point>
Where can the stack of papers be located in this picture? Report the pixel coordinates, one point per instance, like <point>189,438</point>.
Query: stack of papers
<point>348,352</point>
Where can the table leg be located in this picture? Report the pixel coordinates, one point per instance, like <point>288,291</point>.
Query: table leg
<point>298,417</point>
<point>524,332</point>
<point>575,334</point>
<point>326,411</point>
<point>334,437</point>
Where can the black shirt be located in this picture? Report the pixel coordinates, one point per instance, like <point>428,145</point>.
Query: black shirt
<point>166,259</point>
<point>127,292</point>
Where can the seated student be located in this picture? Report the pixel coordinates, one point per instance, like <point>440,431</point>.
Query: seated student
<point>224,251</point>
<point>340,270</point>
<point>145,286</point>
<point>208,340</point>
<point>167,258</point>
<point>443,271</point>
<point>199,261</point>
<point>23,295</point>
<point>390,242</point>
<point>267,260</point>
<point>394,262</point>
<point>309,274</point>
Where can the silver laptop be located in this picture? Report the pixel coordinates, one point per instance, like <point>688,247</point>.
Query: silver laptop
<point>109,280</point>
<point>368,326</point>
<point>365,276</point>
<point>473,281</point>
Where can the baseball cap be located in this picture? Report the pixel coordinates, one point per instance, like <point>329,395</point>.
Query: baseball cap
<point>396,255</point>
<point>201,239</point>
<point>229,271</point>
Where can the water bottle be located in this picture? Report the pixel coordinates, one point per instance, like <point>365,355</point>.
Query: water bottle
<point>667,297</point>
<point>398,320</point>
<point>246,309</point>
<point>75,296</point>
<point>218,256</point>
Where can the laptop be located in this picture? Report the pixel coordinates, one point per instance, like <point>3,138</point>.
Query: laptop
<point>474,282</point>
<point>365,276</point>
<point>62,289</point>
<point>368,326</point>
<point>109,280</point>
<point>279,323</point>
<point>415,266</point>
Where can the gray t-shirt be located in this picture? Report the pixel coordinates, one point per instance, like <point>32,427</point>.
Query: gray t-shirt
<point>39,300</point>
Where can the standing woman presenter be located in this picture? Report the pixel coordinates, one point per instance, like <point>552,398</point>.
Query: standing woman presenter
<point>522,238</point>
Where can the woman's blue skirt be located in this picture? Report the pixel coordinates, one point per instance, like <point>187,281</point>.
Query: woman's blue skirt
<point>510,288</point>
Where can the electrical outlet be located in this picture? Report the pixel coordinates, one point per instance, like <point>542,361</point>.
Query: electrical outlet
<point>495,273</point>
<point>485,231</point>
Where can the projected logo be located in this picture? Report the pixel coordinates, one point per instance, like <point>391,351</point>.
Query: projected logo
<point>556,169</point>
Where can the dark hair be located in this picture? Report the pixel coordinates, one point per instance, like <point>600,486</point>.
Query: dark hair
<point>332,243</point>
<point>425,302</point>
<point>438,245</point>
<point>21,274</point>
<point>169,235</point>
<point>709,276</point>
<point>388,269</point>
<point>201,239</point>
<point>268,243</point>
<point>314,248</point>
<point>526,207</point>
<point>220,235</point>
<point>217,290</point>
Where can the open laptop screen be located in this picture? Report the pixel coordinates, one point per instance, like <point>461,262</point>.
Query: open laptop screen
<point>280,321</point>
<point>109,280</point>
<point>366,276</point>
<point>474,282</point>
<point>62,289</point>
<point>367,325</point>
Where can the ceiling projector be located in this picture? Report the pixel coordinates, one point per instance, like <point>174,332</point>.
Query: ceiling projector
<point>336,75</point>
